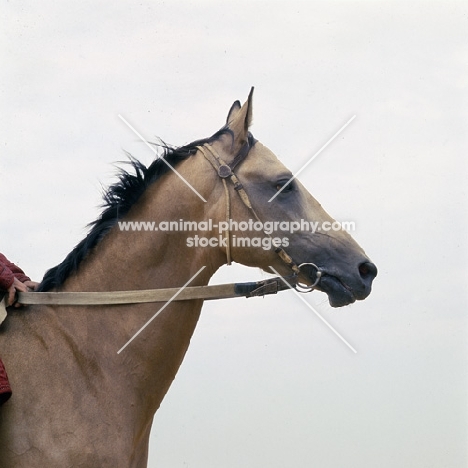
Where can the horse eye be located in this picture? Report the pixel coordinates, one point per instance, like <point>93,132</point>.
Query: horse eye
<point>284,186</point>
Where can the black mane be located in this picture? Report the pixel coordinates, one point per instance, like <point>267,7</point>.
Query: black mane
<point>118,200</point>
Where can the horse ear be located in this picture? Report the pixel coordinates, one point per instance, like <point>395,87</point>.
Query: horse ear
<point>240,118</point>
<point>235,108</point>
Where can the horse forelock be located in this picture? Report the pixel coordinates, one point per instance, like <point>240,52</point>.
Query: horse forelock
<point>119,199</point>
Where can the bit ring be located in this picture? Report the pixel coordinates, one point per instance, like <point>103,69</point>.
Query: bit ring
<point>304,288</point>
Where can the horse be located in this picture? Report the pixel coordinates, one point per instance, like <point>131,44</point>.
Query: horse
<point>77,401</point>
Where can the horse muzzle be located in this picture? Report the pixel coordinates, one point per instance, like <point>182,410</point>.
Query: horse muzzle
<point>344,289</point>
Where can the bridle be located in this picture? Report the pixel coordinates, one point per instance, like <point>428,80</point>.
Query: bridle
<point>226,171</point>
<point>252,289</point>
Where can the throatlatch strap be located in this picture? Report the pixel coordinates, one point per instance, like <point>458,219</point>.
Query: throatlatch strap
<point>228,217</point>
<point>213,159</point>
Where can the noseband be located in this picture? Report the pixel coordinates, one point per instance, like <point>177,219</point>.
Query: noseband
<point>225,171</point>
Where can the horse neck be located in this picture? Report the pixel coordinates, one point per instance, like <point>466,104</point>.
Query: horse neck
<point>127,258</point>
<point>144,370</point>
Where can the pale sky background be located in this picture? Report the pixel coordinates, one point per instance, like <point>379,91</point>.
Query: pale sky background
<point>264,383</point>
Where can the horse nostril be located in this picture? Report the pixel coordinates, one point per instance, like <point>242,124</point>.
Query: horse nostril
<point>367,270</point>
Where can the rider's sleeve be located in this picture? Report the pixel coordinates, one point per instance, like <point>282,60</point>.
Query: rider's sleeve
<point>8,272</point>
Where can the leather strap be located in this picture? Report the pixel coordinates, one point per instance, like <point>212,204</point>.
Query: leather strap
<point>218,291</point>
<point>224,171</point>
<point>242,154</point>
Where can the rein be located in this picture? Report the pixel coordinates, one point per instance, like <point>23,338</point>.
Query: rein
<point>216,291</point>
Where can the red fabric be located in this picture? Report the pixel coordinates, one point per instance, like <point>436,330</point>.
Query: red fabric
<point>5,389</point>
<point>8,272</point>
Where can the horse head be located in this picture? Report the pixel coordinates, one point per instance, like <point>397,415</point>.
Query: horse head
<point>293,220</point>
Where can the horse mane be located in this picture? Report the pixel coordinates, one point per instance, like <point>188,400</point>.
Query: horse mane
<point>117,201</point>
